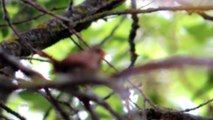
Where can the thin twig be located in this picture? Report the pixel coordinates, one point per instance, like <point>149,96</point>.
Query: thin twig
<point>12,61</point>
<point>151,10</point>
<point>31,19</point>
<point>11,111</point>
<point>132,35</point>
<point>199,106</point>
<point>4,117</point>
<point>43,10</point>
<point>50,108</point>
<point>112,32</point>
<point>7,18</point>
<point>90,109</point>
<point>86,44</point>
<point>24,21</point>
<point>36,59</point>
<point>67,104</point>
<point>78,45</point>
<point>145,98</point>
<point>136,105</point>
<point>206,16</point>
<point>143,11</point>
<point>56,105</point>
<point>70,5</point>
<point>108,96</point>
<point>99,101</point>
<point>79,37</point>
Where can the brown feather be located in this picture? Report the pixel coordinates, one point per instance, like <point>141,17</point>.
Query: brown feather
<point>84,61</point>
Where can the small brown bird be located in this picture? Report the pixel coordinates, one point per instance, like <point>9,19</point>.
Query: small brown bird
<point>88,60</point>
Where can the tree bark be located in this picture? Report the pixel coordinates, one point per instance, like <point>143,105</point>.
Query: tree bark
<point>80,17</point>
<point>161,114</point>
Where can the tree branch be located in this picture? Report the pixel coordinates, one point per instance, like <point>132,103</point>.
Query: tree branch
<point>162,114</point>
<point>53,30</point>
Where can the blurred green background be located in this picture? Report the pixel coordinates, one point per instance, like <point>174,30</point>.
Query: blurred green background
<point>161,35</point>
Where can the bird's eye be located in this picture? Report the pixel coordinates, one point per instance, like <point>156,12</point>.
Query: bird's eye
<point>97,50</point>
<point>100,52</point>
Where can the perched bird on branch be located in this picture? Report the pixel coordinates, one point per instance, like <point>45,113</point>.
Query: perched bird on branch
<point>83,64</point>
<point>85,61</point>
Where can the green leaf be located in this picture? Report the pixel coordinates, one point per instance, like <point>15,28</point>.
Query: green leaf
<point>36,101</point>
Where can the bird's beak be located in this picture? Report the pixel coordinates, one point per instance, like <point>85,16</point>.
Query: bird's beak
<point>102,54</point>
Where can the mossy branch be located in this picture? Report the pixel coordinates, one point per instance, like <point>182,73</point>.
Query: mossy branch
<point>53,30</point>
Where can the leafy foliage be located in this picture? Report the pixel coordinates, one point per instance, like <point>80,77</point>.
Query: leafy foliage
<point>161,35</point>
